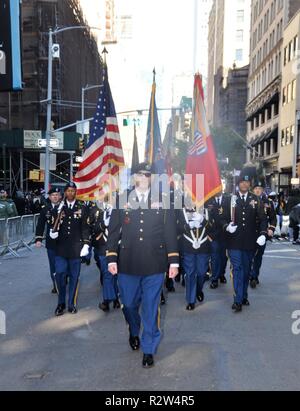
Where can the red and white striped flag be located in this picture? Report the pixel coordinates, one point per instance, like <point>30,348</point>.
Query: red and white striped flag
<point>103,156</point>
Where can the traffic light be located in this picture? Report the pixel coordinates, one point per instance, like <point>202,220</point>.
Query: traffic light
<point>125,122</point>
<point>298,169</point>
<point>81,143</point>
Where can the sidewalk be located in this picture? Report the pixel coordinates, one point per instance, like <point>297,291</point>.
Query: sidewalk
<point>208,349</point>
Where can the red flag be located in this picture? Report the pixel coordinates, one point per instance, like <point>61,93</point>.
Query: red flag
<point>201,158</point>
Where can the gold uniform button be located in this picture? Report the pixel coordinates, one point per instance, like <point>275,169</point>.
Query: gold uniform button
<point>141,239</point>
<point>142,212</point>
<point>142,221</point>
<point>141,230</point>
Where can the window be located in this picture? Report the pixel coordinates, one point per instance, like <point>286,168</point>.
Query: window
<point>240,35</point>
<point>294,90</point>
<point>287,136</point>
<point>292,134</point>
<point>283,138</point>
<point>289,93</point>
<point>284,96</point>
<point>269,113</point>
<point>263,117</point>
<point>285,56</point>
<point>276,109</point>
<point>240,16</point>
<point>239,55</point>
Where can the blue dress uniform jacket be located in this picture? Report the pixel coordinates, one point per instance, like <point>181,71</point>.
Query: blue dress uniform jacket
<point>217,213</point>
<point>46,218</point>
<point>270,213</point>
<point>97,229</point>
<point>142,241</point>
<point>246,216</point>
<point>73,230</point>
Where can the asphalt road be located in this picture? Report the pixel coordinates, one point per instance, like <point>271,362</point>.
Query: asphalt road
<point>208,349</point>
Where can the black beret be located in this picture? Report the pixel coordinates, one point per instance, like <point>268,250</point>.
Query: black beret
<point>259,183</point>
<point>53,191</point>
<point>70,185</point>
<point>148,168</point>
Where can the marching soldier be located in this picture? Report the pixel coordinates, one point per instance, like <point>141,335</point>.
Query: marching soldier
<point>241,235</point>
<point>258,189</point>
<point>195,245</point>
<point>218,207</point>
<point>98,220</point>
<point>142,241</point>
<point>46,219</point>
<point>71,232</point>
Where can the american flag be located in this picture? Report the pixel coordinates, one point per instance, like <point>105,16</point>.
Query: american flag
<point>199,145</point>
<point>103,156</point>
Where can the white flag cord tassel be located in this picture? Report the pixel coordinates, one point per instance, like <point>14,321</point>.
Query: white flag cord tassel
<point>196,242</point>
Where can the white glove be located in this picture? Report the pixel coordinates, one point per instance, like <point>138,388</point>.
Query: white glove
<point>53,235</point>
<point>106,217</point>
<point>194,224</point>
<point>85,250</point>
<point>261,240</point>
<point>198,217</point>
<point>231,228</point>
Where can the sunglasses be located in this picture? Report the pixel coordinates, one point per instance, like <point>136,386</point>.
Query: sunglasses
<point>144,174</point>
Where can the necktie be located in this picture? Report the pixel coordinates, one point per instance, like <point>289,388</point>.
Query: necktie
<point>142,200</point>
<point>244,199</point>
<point>70,206</point>
<point>219,202</point>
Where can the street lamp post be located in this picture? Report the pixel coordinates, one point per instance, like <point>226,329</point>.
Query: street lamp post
<point>49,95</point>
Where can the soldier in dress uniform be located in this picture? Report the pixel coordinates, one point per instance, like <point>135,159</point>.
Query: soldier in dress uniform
<point>72,235</point>
<point>142,242</point>
<point>258,189</point>
<point>196,235</point>
<point>247,213</point>
<point>218,207</point>
<point>98,220</point>
<point>46,219</point>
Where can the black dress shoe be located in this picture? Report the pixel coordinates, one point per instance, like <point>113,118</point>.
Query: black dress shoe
<point>214,285</point>
<point>72,310</point>
<point>54,290</point>
<point>88,262</point>
<point>257,281</point>
<point>200,297</point>
<point>60,310</point>
<point>162,299</point>
<point>134,343</point>
<point>104,306</point>
<point>116,304</point>
<point>223,280</point>
<point>148,361</point>
<point>237,307</point>
<point>190,307</point>
<point>253,283</point>
<point>246,302</point>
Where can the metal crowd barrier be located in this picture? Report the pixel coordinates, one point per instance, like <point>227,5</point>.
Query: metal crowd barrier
<point>17,233</point>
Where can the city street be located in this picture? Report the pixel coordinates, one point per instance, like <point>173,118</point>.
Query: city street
<point>208,349</point>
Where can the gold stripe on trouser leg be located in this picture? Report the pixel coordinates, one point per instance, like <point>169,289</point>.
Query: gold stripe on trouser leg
<point>55,284</point>
<point>76,294</point>
<point>231,274</point>
<point>158,318</point>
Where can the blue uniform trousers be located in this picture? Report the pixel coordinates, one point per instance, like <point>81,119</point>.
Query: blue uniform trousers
<point>241,261</point>
<point>142,291</point>
<point>110,282</point>
<point>51,258</point>
<point>257,261</point>
<point>71,268</point>
<point>218,260</point>
<point>195,267</point>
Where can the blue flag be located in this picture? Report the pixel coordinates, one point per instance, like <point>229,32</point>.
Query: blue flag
<point>154,150</point>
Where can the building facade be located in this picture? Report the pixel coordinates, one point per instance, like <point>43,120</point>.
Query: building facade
<point>290,103</point>
<point>268,20</point>
<point>79,64</point>
<point>228,47</point>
